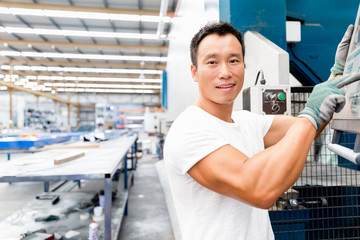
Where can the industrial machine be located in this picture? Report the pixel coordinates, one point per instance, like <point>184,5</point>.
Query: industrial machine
<point>348,119</point>
<point>324,201</point>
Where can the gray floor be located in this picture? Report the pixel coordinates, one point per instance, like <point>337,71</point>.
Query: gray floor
<point>147,217</point>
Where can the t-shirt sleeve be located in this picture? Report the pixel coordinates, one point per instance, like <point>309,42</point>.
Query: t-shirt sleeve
<point>186,144</point>
<point>265,122</point>
<point>257,122</point>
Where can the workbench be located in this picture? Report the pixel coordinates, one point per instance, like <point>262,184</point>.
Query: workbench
<point>98,163</point>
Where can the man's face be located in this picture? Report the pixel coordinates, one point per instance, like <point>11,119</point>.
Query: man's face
<point>220,70</point>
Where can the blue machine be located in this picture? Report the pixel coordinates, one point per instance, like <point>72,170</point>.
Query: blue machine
<point>325,212</point>
<point>323,23</point>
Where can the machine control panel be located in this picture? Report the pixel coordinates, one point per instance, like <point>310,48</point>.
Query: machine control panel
<point>274,101</point>
<point>267,99</point>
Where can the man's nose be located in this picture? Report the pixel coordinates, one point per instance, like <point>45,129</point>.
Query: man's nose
<point>224,71</point>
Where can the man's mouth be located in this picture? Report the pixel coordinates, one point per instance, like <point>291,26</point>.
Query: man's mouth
<point>226,86</point>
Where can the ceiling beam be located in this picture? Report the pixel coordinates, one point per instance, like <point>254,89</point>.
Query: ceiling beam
<point>93,64</point>
<point>81,8</point>
<point>36,93</point>
<point>84,45</point>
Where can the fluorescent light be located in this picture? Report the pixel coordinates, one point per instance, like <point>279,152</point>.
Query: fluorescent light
<point>86,79</point>
<point>87,85</point>
<point>53,78</point>
<point>147,18</point>
<point>105,90</point>
<point>13,76</point>
<point>78,33</point>
<point>5,67</point>
<point>103,79</point>
<point>83,15</point>
<point>79,69</point>
<point>19,83</point>
<point>82,56</point>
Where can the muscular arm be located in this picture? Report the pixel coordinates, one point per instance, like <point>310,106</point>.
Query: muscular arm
<point>281,124</point>
<point>261,179</point>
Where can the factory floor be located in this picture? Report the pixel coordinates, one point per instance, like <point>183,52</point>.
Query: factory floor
<point>147,217</point>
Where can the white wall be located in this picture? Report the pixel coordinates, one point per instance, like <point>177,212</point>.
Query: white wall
<point>190,17</point>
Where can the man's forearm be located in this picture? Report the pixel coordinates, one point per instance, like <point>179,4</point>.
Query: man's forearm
<point>281,165</point>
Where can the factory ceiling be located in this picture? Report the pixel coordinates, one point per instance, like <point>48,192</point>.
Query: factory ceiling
<point>84,46</point>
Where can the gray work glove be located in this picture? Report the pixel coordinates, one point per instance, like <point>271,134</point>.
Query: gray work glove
<point>327,98</point>
<point>342,52</point>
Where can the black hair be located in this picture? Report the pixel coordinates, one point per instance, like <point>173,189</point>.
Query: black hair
<point>221,28</point>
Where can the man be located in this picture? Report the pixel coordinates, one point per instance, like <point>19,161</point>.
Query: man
<point>227,168</point>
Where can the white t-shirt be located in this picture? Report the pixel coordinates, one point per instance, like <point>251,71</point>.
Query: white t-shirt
<point>204,214</point>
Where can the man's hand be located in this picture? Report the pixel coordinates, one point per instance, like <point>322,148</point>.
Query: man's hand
<point>342,52</point>
<point>327,98</point>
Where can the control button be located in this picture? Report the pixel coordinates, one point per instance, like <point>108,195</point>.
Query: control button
<point>281,96</point>
<point>275,108</point>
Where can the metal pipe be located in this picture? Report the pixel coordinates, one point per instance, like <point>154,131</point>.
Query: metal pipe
<point>345,152</point>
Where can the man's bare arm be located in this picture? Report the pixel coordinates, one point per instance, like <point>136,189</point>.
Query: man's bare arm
<point>279,127</point>
<point>261,179</point>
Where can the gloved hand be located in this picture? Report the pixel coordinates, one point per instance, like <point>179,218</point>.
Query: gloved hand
<point>342,52</point>
<point>327,98</point>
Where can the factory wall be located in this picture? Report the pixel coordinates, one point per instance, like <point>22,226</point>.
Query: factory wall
<point>23,101</point>
<point>190,17</point>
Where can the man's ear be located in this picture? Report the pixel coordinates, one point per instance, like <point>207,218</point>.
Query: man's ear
<point>194,73</point>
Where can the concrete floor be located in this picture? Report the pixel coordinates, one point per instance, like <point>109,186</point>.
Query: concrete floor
<point>147,217</point>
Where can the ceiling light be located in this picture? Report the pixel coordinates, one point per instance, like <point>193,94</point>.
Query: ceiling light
<point>106,90</point>
<point>29,77</point>
<point>83,15</point>
<point>78,33</point>
<point>19,83</point>
<point>85,79</point>
<point>82,56</point>
<point>5,67</point>
<point>87,85</point>
<point>91,79</point>
<point>83,70</point>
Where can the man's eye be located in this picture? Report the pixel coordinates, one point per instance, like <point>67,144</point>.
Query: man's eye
<point>234,61</point>
<point>211,62</point>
